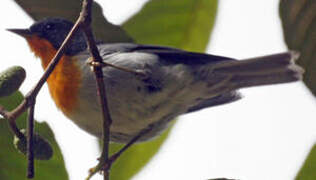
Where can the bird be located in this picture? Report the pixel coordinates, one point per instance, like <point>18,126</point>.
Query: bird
<point>175,81</point>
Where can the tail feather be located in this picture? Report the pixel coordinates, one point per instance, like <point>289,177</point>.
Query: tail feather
<point>221,99</point>
<point>272,69</point>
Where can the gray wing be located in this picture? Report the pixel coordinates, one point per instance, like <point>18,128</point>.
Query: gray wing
<point>167,55</point>
<point>171,56</point>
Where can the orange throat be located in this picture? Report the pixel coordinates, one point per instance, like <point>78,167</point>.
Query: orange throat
<point>64,82</point>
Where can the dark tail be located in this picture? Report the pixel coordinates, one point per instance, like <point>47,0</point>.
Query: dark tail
<point>272,69</point>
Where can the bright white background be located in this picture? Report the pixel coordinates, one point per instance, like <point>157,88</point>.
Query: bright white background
<point>266,135</point>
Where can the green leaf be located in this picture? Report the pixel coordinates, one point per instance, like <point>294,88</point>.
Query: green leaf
<point>308,170</point>
<point>13,164</point>
<point>70,9</point>
<point>42,148</point>
<point>299,26</point>
<point>183,24</point>
<point>11,80</point>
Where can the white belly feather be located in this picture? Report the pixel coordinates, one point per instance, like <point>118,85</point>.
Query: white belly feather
<point>134,102</point>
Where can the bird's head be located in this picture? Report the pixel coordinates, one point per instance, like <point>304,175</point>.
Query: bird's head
<point>46,36</point>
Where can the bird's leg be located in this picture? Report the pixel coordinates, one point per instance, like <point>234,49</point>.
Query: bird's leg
<point>105,166</point>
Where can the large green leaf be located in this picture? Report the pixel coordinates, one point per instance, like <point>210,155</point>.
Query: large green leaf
<point>299,26</point>
<point>70,9</point>
<point>308,170</point>
<point>13,163</point>
<point>183,24</point>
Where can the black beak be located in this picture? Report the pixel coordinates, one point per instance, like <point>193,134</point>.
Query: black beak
<point>21,32</point>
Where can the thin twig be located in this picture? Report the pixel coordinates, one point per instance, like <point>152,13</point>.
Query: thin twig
<point>29,100</point>
<point>12,124</point>
<point>11,116</point>
<point>97,63</point>
<point>114,157</point>
<point>105,64</point>
<point>3,112</point>
<point>30,142</point>
<point>86,19</point>
<point>55,60</point>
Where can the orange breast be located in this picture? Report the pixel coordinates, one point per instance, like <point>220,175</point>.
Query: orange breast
<point>64,82</point>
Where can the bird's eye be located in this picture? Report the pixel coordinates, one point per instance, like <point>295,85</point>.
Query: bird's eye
<point>48,27</point>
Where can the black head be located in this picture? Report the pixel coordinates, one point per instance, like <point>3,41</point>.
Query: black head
<point>55,31</point>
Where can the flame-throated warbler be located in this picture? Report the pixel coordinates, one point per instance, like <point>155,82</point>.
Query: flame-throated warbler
<point>176,81</point>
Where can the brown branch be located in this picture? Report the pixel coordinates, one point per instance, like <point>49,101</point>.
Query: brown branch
<point>105,64</point>
<point>4,112</point>
<point>7,115</point>
<point>30,143</point>
<point>97,63</point>
<point>116,155</point>
<point>31,95</point>
<point>54,61</point>
<point>86,19</point>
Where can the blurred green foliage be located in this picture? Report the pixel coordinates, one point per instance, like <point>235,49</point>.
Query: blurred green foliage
<point>70,9</point>
<point>299,26</point>
<point>308,170</point>
<point>13,163</point>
